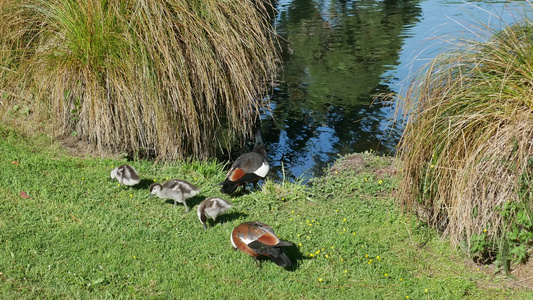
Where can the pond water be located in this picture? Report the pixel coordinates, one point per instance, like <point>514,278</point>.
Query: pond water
<point>339,55</point>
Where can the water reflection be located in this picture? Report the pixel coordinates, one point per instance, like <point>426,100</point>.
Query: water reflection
<point>338,55</point>
<point>335,56</point>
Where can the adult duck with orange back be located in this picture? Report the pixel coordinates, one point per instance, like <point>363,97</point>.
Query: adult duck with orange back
<point>256,238</point>
<point>125,174</point>
<point>248,168</point>
<point>175,189</point>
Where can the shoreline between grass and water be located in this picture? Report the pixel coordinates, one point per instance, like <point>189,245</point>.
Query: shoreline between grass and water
<point>75,234</point>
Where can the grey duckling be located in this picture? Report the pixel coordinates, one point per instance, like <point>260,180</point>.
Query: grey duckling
<point>125,174</point>
<point>175,189</point>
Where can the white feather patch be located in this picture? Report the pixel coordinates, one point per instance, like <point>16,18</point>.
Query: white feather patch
<point>247,241</point>
<point>263,170</point>
<point>231,239</point>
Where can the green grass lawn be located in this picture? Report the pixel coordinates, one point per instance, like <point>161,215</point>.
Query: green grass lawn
<point>83,236</point>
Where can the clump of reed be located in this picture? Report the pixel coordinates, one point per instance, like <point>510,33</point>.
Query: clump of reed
<point>165,79</point>
<point>467,148</point>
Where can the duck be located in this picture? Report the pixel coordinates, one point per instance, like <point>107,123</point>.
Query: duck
<point>126,175</point>
<point>211,208</point>
<point>175,189</point>
<point>256,238</point>
<point>247,168</point>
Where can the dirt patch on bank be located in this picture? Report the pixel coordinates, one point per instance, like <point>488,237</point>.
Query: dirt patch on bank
<point>80,148</point>
<point>379,165</point>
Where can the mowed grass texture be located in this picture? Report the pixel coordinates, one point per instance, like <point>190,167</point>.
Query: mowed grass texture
<point>81,236</point>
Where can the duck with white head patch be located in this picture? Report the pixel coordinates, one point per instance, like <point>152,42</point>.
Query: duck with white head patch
<point>175,189</point>
<point>247,168</point>
<point>126,175</point>
<point>211,208</point>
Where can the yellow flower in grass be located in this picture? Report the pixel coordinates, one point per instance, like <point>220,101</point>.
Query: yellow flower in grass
<point>345,271</point>
<point>426,290</point>
<point>326,256</point>
<point>317,252</point>
<point>386,274</point>
<point>380,181</point>
<point>344,220</point>
<point>320,280</point>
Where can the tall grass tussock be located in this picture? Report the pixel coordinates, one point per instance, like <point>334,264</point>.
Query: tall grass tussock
<point>467,149</point>
<point>168,79</point>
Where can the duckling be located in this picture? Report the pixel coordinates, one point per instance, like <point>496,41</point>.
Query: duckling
<point>125,174</point>
<point>176,189</point>
<point>249,167</point>
<point>256,238</point>
<point>211,208</point>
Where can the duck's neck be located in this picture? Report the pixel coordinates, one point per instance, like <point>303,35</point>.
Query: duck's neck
<point>261,150</point>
